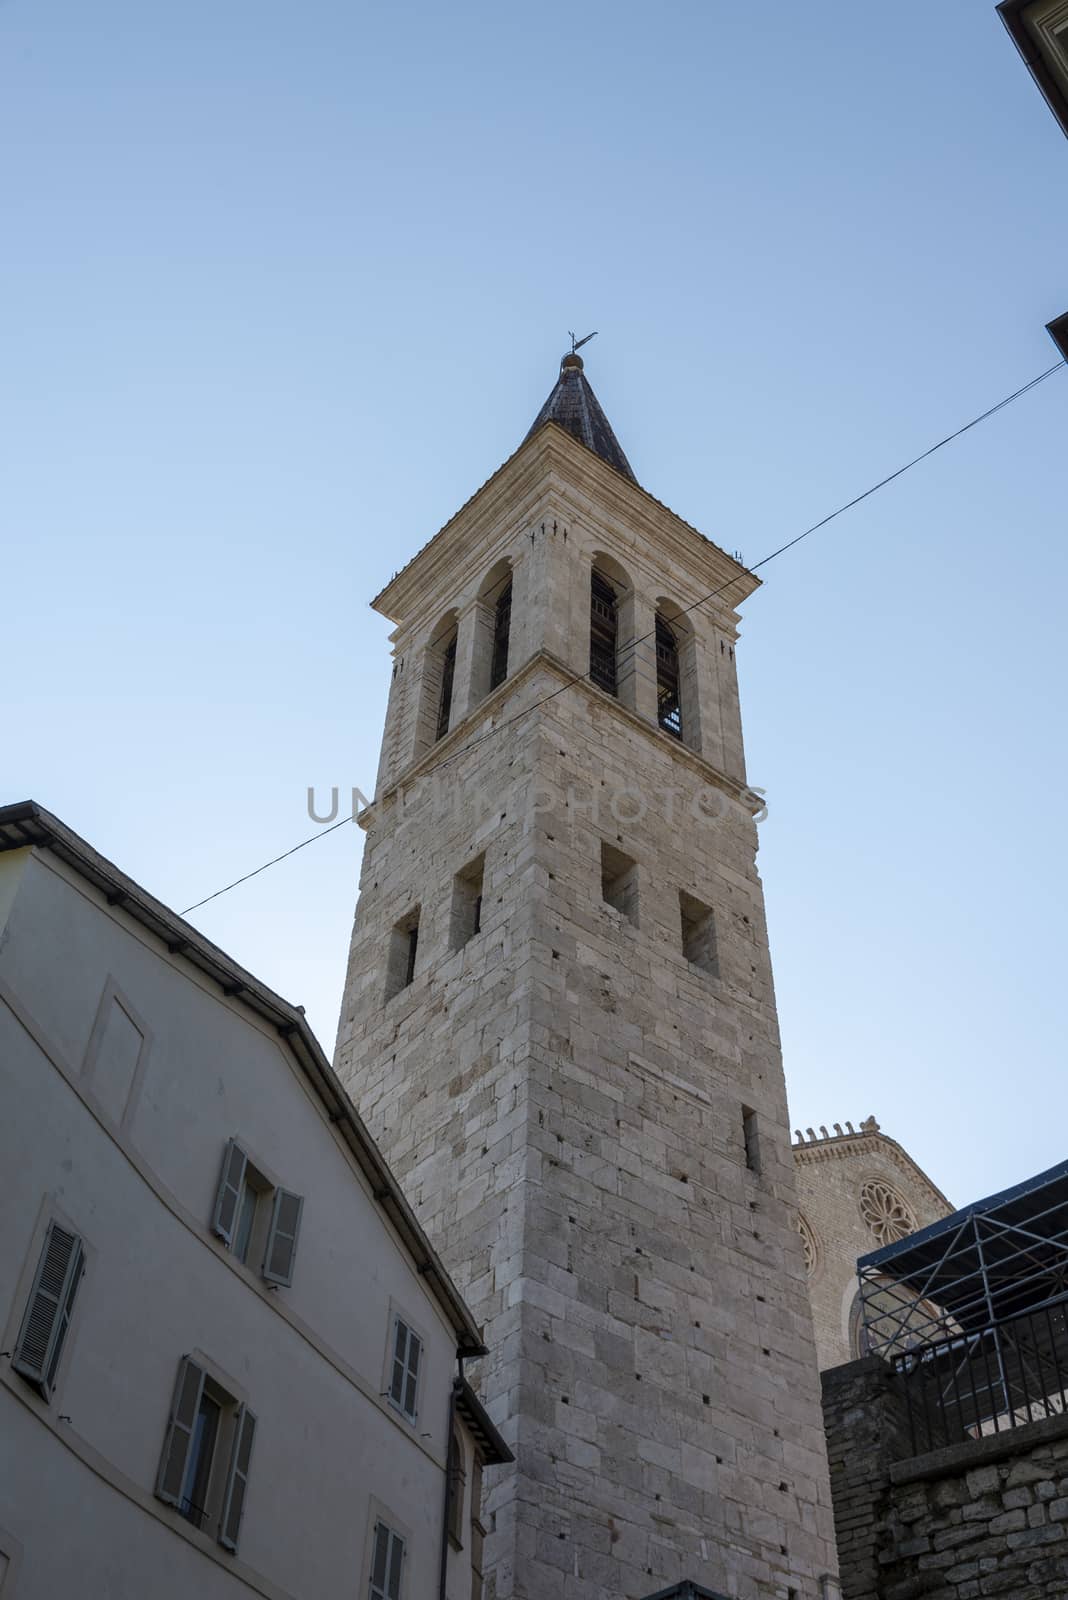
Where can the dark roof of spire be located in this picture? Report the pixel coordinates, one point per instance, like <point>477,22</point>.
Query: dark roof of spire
<point>573,406</point>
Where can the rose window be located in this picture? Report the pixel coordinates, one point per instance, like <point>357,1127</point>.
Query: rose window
<point>886,1214</point>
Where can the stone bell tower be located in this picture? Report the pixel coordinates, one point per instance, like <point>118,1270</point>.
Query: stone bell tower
<point>560,1026</point>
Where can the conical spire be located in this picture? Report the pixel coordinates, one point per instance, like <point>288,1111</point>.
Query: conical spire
<point>574,406</point>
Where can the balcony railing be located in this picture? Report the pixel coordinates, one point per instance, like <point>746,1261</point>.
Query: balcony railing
<point>999,1378</point>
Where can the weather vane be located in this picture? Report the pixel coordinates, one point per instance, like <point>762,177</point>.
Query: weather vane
<point>576,344</point>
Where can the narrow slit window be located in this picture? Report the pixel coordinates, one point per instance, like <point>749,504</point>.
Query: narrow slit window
<point>604,633</point>
<point>466,917</point>
<point>619,882</point>
<point>502,627</point>
<point>448,673</point>
<point>403,954</point>
<point>751,1138</point>
<point>668,682</point>
<point>698,934</point>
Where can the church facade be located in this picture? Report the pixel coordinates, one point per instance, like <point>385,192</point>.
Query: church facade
<point>857,1190</point>
<point>559,1025</point>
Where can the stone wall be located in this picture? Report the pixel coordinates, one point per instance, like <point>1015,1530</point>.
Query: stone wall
<point>566,1097</point>
<point>985,1517</point>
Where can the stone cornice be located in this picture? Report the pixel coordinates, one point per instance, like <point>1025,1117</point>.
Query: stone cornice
<point>552,458</point>
<point>838,1146</point>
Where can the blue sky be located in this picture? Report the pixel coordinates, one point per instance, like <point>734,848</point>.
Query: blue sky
<point>282,285</point>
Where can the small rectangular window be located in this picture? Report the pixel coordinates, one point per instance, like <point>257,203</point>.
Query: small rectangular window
<point>403,949</point>
<point>466,916</point>
<point>255,1220</point>
<point>751,1138</point>
<point>619,882</point>
<point>404,1374</point>
<point>49,1308</point>
<point>387,1564</point>
<point>698,934</point>
<point>206,1427</point>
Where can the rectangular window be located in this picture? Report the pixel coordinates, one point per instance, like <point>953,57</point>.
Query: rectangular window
<point>403,949</point>
<point>203,1471</point>
<point>466,916</point>
<point>698,934</point>
<point>404,1374</point>
<point>619,882</point>
<point>751,1138</point>
<point>387,1564</point>
<point>254,1219</point>
<point>49,1308</point>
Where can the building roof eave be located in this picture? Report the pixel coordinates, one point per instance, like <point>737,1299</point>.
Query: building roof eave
<point>26,824</point>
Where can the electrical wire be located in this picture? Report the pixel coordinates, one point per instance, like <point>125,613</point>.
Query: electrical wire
<point>644,638</point>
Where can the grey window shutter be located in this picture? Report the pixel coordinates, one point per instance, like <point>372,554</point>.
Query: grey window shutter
<point>387,1564</point>
<point>184,1408</point>
<point>237,1478</point>
<point>400,1363</point>
<point>48,1310</point>
<point>415,1350</point>
<point>404,1379</point>
<point>232,1177</point>
<point>282,1237</point>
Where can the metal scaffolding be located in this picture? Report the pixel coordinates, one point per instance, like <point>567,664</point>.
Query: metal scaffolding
<point>972,1312</point>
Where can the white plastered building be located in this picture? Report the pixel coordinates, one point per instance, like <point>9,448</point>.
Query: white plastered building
<point>229,1354</point>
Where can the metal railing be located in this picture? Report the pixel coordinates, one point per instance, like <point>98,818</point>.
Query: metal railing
<point>999,1378</point>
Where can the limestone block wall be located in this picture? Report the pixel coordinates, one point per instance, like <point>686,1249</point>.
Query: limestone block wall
<point>985,1518</point>
<point>564,1099</point>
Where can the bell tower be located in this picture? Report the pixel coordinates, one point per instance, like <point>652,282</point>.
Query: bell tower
<point>559,1024</point>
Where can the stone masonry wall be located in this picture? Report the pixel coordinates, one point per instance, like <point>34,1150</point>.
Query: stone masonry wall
<point>564,1096</point>
<point>984,1518</point>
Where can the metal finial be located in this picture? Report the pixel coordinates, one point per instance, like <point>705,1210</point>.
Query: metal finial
<point>576,344</point>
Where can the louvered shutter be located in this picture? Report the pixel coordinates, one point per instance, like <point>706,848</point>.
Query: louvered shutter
<point>404,1379</point>
<point>396,1562</point>
<point>237,1478</point>
<point>387,1564</point>
<point>400,1363</point>
<point>232,1177</point>
<point>411,1387</point>
<point>282,1237</point>
<point>48,1310</point>
<point>184,1408</point>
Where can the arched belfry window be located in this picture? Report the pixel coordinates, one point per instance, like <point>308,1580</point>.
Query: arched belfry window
<point>604,633</point>
<point>502,627</point>
<point>668,679</point>
<point>448,673</point>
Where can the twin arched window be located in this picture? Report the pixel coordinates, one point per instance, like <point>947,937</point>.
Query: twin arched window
<point>445,700</point>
